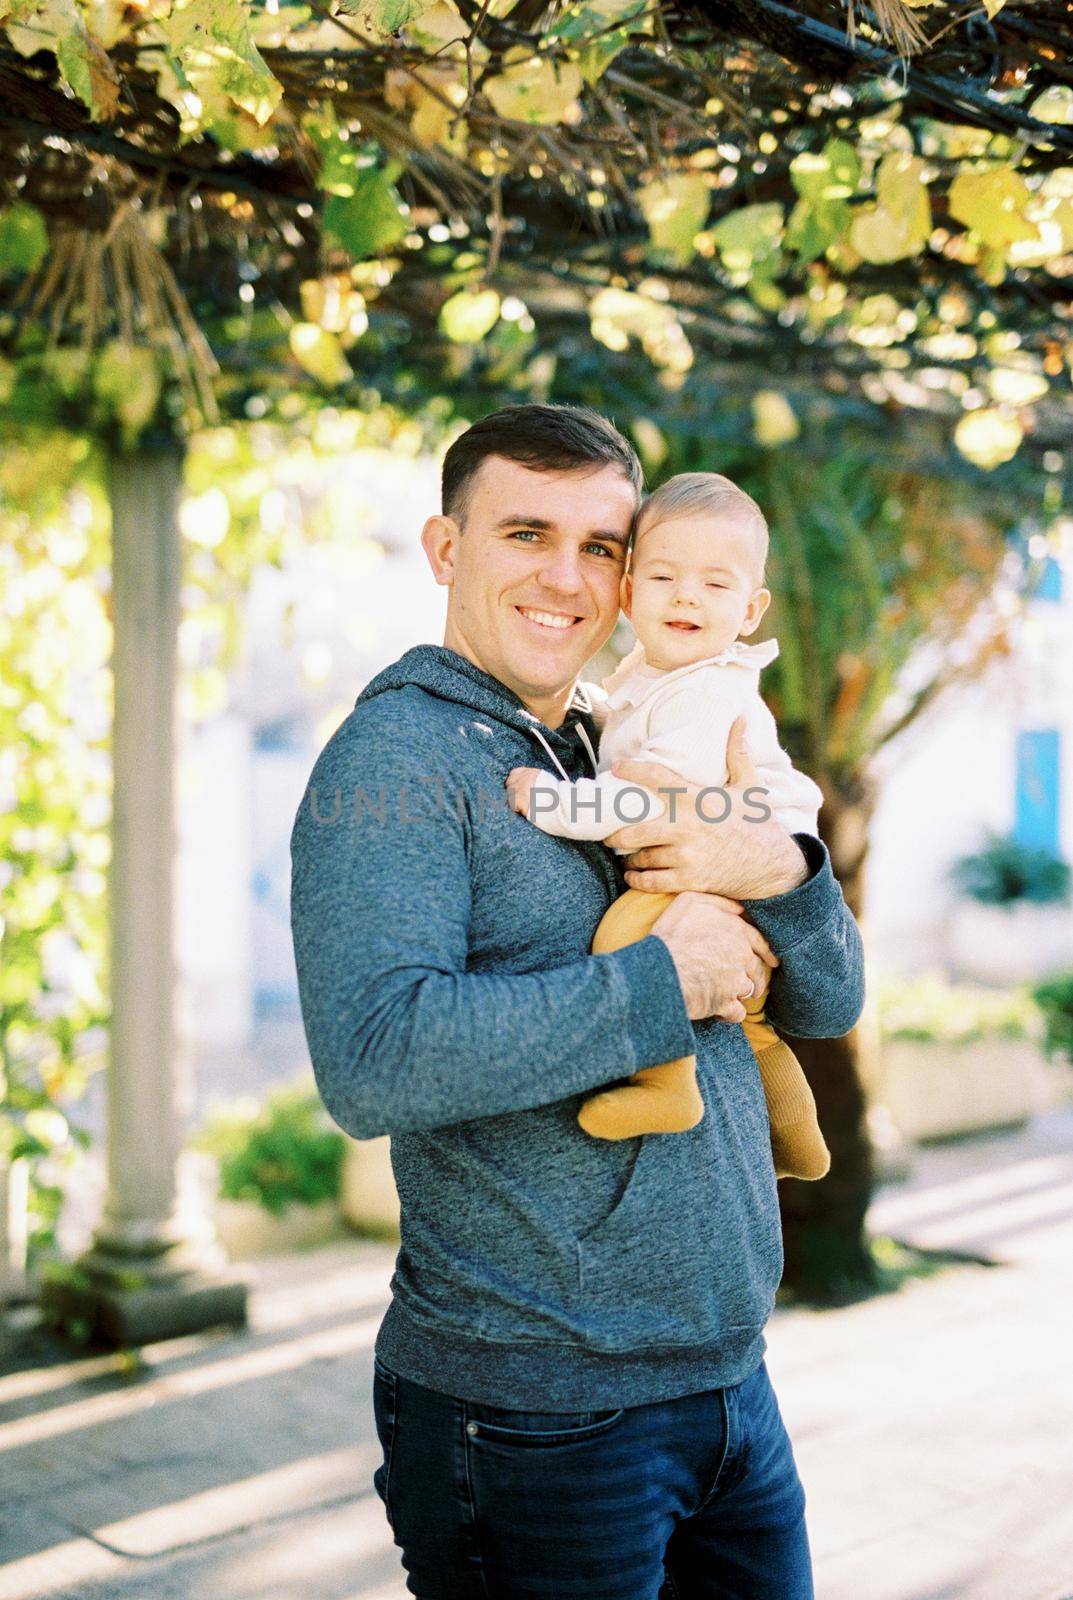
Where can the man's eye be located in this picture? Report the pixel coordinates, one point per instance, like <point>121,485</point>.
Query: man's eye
<point>524,533</point>
<point>602,549</point>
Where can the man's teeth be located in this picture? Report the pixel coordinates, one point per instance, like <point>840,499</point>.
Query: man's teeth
<point>549,618</point>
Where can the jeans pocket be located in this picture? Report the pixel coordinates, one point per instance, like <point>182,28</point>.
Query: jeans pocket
<point>529,1430</point>
<point>385,1412</point>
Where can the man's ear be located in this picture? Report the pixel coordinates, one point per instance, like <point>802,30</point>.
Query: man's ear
<point>438,538</point>
<point>755,610</point>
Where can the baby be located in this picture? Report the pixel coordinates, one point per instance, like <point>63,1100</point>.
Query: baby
<point>693,593</point>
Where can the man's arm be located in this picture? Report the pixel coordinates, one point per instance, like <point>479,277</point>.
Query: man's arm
<point>817,991</point>
<point>401,1036</point>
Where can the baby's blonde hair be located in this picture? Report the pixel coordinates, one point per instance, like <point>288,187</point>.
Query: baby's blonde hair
<point>703,494</point>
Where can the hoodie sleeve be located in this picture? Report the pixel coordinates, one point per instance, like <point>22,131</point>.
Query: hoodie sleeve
<point>818,990</point>
<point>401,1036</point>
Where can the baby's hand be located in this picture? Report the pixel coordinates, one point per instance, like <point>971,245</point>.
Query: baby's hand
<point>520,784</point>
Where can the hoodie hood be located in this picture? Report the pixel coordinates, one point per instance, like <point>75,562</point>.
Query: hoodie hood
<point>449,676</point>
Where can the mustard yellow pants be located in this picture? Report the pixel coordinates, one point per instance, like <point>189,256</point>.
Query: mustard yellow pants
<point>666,1098</point>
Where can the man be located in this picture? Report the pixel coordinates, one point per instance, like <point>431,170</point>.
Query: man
<point>569,1389</point>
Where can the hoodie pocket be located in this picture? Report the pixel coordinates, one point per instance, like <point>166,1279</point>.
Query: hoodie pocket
<point>663,1268</point>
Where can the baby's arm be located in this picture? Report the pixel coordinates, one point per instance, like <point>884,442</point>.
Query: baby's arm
<point>585,809</point>
<point>689,731</point>
<point>793,797</point>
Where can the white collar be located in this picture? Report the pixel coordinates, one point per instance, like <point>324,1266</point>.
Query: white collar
<point>633,680</point>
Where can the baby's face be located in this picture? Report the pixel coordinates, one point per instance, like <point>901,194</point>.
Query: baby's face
<point>695,587</point>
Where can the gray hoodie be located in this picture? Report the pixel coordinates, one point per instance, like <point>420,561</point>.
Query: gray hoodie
<point>450,1001</point>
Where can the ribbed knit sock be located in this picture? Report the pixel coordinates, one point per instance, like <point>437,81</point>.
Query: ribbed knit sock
<point>663,1099</point>
<point>797,1144</point>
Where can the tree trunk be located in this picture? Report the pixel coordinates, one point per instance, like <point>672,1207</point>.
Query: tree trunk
<point>827,1252</point>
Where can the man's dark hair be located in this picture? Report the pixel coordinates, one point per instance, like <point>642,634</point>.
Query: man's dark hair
<point>547,438</point>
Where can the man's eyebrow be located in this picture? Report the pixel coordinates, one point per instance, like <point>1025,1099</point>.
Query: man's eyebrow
<point>610,535</point>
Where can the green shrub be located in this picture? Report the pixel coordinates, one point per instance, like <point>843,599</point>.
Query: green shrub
<point>283,1151</point>
<point>1004,872</point>
<point>1055,999</point>
<point>930,1010</point>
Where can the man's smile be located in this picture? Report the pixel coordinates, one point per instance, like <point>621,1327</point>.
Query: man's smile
<point>558,621</point>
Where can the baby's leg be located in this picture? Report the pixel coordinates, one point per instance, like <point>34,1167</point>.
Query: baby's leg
<point>663,1099</point>
<point>797,1144</point>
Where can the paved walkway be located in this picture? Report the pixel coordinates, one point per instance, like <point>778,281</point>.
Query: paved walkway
<point>932,1426</point>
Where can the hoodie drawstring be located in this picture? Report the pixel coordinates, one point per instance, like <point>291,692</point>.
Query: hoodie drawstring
<point>555,759</point>
<point>586,741</point>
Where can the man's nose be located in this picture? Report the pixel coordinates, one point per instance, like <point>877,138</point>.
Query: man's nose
<point>562,570</point>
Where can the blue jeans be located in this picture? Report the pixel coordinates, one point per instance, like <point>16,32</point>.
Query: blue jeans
<point>684,1499</point>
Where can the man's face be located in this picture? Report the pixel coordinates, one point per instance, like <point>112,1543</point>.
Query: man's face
<point>534,571</point>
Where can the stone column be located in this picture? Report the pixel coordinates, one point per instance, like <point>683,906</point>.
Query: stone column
<point>145,1277</point>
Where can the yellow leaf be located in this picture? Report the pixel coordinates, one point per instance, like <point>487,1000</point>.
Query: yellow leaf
<point>676,209</point>
<point>433,98</point>
<point>320,353</point>
<point>903,193</point>
<point>774,419</point>
<point>1054,105</point>
<point>534,89</point>
<point>1010,386</point>
<point>469,315</point>
<point>988,438</point>
<point>992,205</point>
<point>899,223</point>
<point>616,315</point>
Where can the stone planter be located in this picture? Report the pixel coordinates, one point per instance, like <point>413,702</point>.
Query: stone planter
<point>939,1090</point>
<point>368,1197</point>
<point>246,1229</point>
<point>1009,944</point>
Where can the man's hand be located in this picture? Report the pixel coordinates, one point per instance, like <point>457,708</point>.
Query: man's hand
<point>720,958</point>
<point>521,781</point>
<point>688,848</point>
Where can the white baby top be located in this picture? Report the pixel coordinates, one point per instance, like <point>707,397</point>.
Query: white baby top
<point>680,719</point>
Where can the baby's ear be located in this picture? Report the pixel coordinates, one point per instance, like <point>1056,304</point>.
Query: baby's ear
<point>759,603</point>
<point>625,592</point>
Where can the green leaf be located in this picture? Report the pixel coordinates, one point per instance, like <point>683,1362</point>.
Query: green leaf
<point>830,174</point>
<point>23,238</point>
<point>340,152</point>
<point>210,46</point>
<point>468,316</point>
<point>749,235</point>
<point>386,16</point>
<point>676,209</point>
<point>87,68</point>
<point>590,29</point>
<point>126,378</point>
<point>370,220</point>
<point>815,225</point>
